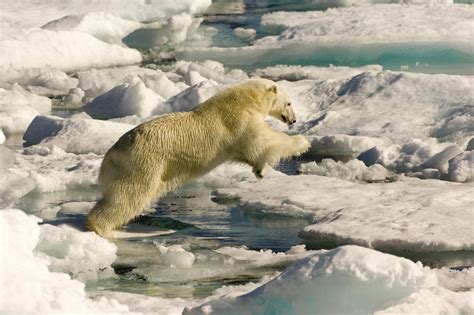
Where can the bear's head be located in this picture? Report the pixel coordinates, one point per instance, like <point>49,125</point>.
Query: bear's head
<point>281,108</point>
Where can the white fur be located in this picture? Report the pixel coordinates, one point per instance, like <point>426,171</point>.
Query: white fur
<point>161,154</point>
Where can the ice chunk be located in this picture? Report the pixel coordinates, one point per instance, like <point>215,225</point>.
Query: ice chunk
<point>2,137</point>
<point>40,81</point>
<point>18,107</point>
<point>245,33</point>
<point>193,96</point>
<point>64,50</point>
<point>97,81</point>
<point>440,160</point>
<point>211,70</point>
<point>266,258</point>
<point>455,280</point>
<point>132,98</point>
<point>309,285</point>
<point>13,186</point>
<point>26,277</point>
<point>75,135</point>
<point>461,167</point>
<point>342,145</point>
<point>74,98</point>
<point>176,256</point>
<point>419,215</point>
<point>83,255</point>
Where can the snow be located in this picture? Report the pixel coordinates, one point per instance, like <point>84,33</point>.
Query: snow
<point>384,23</point>
<point>409,214</point>
<point>77,136</point>
<point>25,276</point>
<point>368,279</point>
<point>127,99</point>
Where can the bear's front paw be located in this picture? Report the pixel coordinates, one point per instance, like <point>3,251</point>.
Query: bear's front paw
<point>301,144</point>
<point>259,173</point>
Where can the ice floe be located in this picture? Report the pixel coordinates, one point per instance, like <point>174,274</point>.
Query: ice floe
<point>383,23</point>
<point>407,214</point>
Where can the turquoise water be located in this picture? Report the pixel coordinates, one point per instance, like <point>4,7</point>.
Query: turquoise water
<point>426,58</point>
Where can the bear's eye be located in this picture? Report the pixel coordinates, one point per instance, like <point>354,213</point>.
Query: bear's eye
<point>288,104</point>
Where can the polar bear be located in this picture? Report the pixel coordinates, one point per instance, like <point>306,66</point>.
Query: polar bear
<point>159,155</point>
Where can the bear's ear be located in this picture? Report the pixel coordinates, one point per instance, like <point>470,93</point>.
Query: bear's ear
<point>272,89</point>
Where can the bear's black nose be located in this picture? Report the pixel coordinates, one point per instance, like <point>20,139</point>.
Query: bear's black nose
<point>294,120</point>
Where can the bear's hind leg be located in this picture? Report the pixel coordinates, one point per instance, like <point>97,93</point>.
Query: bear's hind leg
<point>119,205</point>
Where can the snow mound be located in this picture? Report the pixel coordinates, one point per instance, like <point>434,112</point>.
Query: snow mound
<point>74,135</point>
<point>368,279</point>
<point>26,277</point>
<point>127,99</point>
